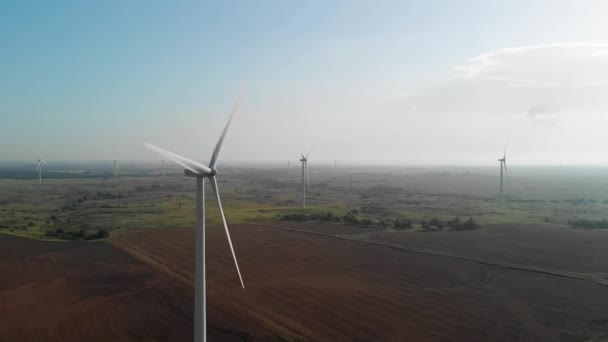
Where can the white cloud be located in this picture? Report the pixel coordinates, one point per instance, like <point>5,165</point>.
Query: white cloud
<point>546,99</point>
<point>568,64</point>
<point>399,96</point>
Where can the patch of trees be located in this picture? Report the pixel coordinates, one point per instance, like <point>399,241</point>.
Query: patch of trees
<point>327,216</point>
<point>455,224</point>
<point>590,224</point>
<point>401,224</point>
<point>77,235</point>
<point>99,195</point>
<point>351,217</point>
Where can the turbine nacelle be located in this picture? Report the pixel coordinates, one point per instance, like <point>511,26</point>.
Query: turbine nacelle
<point>189,173</point>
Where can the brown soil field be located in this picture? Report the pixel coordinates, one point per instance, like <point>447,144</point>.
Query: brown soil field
<point>319,288</point>
<point>88,291</point>
<point>549,246</point>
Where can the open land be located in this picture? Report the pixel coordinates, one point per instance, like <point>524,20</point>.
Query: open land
<point>522,274</point>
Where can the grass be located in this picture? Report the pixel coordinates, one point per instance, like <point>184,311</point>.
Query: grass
<point>147,202</point>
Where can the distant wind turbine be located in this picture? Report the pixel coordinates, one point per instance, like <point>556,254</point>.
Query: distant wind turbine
<point>39,167</point>
<point>162,168</point>
<point>503,165</point>
<point>305,179</point>
<point>200,172</point>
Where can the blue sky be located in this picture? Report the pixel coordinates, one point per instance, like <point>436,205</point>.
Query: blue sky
<point>354,80</point>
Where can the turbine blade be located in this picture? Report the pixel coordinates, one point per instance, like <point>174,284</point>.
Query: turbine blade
<point>38,165</point>
<point>302,154</point>
<point>505,164</point>
<point>213,182</point>
<point>218,146</point>
<point>307,154</point>
<point>44,161</point>
<point>187,163</point>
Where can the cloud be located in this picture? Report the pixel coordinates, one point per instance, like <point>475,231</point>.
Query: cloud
<point>568,64</point>
<point>541,109</point>
<point>399,96</point>
<point>545,97</point>
<point>544,114</point>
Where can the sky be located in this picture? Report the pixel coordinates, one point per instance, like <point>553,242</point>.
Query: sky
<point>378,82</point>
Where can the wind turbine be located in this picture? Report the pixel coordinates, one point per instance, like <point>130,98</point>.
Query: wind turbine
<point>162,168</point>
<point>305,178</point>
<point>116,169</point>
<point>39,167</point>
<point>503,165</point>
<point>200,172</point>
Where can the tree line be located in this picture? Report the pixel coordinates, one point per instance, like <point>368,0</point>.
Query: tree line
<point>353,218</point>
<point>77,235</point>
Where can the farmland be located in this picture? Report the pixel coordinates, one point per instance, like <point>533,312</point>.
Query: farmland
<point>83,292</point>
<point>298,283</point>
<point>523,273</point>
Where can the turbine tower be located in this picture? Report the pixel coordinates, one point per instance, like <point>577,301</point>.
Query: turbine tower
<point>39,167</point>
<point>503,165</point>
<point>305,178</point>
<point>200,172</point>
<point>116,169</point>
<point>162,168</point>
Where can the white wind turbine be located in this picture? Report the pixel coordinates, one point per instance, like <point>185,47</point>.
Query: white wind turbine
<point>305,179</point>
<point>39,167</point>
<point>200,172</point>
<point>503,165</point>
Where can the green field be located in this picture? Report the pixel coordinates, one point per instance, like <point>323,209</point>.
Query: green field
<point>96,201</point>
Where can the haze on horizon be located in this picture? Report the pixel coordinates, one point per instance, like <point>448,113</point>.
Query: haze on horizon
<point>401,82</point>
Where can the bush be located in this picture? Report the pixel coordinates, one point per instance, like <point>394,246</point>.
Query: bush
<point>101,234</point>
<point>469,224</point>
<point>436,222</point>
<point>402,224</point>
<point>425,225</point>
<point>454,224</point>
<point>351,218</point>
